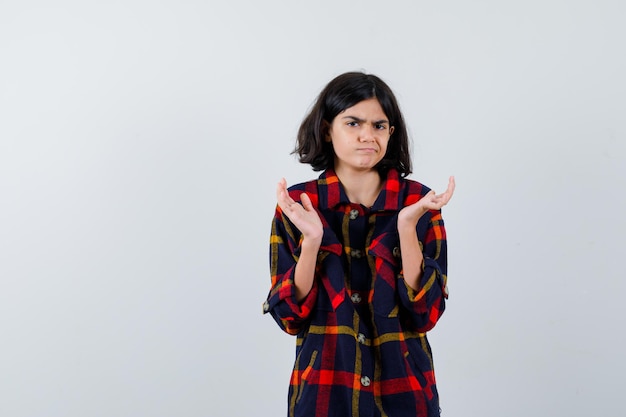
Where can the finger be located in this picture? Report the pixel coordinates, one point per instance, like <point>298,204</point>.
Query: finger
<point>280,186</point>
<point>447,195</point>
<point>442,199</point>
<point>282,195</point>
<point>450,191</point>
<point>451,186</point>
<point>433,197</point>
<point>306,202</point>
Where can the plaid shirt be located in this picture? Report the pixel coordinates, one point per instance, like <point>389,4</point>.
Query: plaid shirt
<point>361,346</point>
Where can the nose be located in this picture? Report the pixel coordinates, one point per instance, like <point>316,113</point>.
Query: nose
<point>367,133</point>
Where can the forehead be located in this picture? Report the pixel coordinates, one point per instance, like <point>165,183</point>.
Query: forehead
<point>369,109</point>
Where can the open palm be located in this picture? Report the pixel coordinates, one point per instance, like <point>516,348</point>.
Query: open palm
<point>303,216</point>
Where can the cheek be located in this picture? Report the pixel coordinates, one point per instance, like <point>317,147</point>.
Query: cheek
<point>385,148</point>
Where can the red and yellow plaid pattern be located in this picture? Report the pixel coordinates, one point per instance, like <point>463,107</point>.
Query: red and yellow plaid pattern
<point>361,345</point>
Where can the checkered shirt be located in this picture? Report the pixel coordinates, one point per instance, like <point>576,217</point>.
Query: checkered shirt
<point>361,346</point>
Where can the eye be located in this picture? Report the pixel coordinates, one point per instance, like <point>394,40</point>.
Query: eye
<point>380,126</point>
<point>352,123</point>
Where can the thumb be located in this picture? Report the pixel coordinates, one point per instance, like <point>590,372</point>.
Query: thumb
<point>306,202</point>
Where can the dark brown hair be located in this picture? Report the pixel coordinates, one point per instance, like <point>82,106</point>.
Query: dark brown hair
<point>343,92</point>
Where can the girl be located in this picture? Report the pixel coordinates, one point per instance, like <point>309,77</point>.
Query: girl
<point>358,261</point>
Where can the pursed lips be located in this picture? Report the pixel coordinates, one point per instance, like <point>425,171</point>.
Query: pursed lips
<point>368,150</point>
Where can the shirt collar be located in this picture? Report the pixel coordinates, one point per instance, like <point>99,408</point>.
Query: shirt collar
<point>331,192</point>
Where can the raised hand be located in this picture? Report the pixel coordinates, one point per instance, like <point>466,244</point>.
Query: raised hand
<point>431,201</point>
<point>303,216</point>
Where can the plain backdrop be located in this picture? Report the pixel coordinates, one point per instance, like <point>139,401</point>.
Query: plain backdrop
<point>140,146</point>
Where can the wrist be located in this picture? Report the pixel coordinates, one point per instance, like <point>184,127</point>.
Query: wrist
<point>408,219</point>
<point>311,243</point>
<point>407,224</point>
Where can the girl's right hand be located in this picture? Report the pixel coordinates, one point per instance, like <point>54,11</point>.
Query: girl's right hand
<point>303,216</point>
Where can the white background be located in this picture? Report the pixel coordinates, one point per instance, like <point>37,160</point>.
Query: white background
<point>140,145</point>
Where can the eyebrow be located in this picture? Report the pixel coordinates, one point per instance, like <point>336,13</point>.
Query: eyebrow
<point>356,119</point>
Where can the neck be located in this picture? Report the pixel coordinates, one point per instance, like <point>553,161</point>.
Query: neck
<point>361,187</point>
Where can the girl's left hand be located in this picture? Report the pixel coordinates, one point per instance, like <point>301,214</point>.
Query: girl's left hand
<point>431,201</point>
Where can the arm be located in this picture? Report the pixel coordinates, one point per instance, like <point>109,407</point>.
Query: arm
<point>306,219</point>
<point>412,257</point>
<point>424,263</point>
<point>295,242</point>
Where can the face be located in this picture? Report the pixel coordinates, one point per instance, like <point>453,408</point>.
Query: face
<point>359,135</point>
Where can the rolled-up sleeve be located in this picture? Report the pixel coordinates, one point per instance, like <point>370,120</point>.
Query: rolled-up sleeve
<point>428,303</point>
<point>281,303</point>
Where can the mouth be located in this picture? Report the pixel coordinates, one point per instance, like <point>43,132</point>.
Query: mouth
<point>367,150</point>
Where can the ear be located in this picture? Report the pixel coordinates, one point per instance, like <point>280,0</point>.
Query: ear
<point>326,130</point>
<point>391,129</point>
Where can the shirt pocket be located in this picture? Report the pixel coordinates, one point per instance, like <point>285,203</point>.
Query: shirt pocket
<point>385,249</point>
<point>304,388</point>
<point>421,366</point>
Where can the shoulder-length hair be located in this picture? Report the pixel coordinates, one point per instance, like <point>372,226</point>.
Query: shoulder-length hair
<point>343,92</point>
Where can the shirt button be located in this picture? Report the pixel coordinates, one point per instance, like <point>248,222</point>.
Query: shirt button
<point>354,213</point>
<point>361,338</point>
<point>365,381</point>
<point>396,252</point>
<point>356,298</point>
<point>356,253</point>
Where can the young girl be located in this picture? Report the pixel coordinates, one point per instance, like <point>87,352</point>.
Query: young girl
<point>358,261</point>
